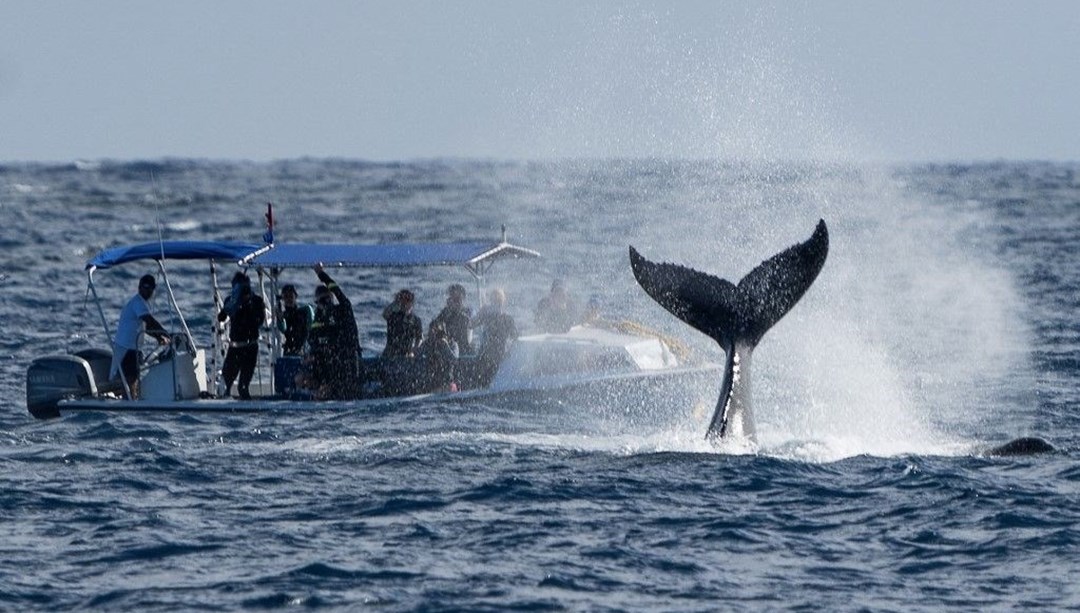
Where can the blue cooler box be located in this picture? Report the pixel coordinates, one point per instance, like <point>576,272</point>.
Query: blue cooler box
<point>285,370</point>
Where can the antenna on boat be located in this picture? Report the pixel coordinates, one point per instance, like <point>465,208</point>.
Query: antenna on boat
<point>273,339</point>
<point>157,216</point>
<point>504,233</point>
<point>161,266</point>
<point>217,349</point>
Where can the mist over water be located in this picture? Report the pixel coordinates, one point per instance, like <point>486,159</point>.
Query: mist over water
<point>913,338</point>
<point>905,345</point>
<point>712,81</point>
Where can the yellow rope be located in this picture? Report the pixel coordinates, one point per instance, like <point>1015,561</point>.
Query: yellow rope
<point>681,350</point>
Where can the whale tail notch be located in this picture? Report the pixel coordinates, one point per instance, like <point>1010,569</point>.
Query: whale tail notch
<point>735,316</point>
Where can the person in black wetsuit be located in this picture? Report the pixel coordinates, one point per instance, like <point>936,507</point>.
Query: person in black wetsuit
<point>440,354</point>
<point>294,320</point>
<point>246,313</point>
<point>456,318</point>
<point>404,330</point>
<point>334,343</point>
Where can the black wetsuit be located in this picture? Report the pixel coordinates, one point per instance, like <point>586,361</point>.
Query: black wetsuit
<point>245,320</point>
<point>335,347</point>
<point>294,321</point>
<point>440,361</point>
<point>403,332</point>
<point>498,332</point>
<point>456,322</point>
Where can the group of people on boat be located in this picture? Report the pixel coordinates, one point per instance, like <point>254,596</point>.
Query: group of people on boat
<point>323,336</point>
<point>445,358</point>
<point>324,339</point>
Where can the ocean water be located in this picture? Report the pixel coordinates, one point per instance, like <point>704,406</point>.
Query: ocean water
<point>944,322</point>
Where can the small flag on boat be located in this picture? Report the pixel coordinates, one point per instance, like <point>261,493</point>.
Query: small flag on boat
<point>268,237</point>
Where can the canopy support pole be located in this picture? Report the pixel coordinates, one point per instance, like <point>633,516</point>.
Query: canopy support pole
<point>218,331</point>
<point>108,331</point>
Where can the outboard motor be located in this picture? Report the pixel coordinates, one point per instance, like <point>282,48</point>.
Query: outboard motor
<point>54,378</point>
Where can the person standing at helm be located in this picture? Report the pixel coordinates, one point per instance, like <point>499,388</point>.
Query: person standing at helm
<point>135,319</point>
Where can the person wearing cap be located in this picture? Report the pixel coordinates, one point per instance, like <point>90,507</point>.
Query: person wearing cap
<point>294,321</point>
<point>455,318</point>
<point>246,313</point>
<point>334,343</point>
<point>135,320</point>
<point>557,312</point>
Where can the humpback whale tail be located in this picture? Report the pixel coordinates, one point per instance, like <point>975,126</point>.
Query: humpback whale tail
<point>735,316</point>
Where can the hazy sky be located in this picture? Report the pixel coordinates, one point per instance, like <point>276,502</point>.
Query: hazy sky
<point>908,81</point>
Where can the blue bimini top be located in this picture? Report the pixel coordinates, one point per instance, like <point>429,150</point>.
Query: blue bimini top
<point>174,250</point>
<point>300,255</point>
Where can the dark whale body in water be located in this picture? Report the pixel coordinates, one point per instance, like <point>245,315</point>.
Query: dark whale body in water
<point>1028,445</point>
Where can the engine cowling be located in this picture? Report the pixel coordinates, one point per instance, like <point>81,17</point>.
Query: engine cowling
<point>53,378</point>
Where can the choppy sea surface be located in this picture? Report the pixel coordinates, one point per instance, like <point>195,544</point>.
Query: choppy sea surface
<point>944,322</point>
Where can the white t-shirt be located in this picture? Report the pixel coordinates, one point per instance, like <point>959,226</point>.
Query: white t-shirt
<point>131,326</point>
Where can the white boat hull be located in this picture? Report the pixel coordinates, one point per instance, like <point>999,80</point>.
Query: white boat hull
<point>614,392</point>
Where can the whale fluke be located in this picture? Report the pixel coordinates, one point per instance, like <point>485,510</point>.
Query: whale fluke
<point>735,316</point>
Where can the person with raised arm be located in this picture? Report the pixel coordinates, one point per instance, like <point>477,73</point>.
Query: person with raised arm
<point>334,343</point>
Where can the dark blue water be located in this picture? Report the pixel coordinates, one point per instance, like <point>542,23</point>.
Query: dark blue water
<point>944,321</point>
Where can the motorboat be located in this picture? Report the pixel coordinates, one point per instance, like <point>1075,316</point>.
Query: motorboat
<point>598,361</point>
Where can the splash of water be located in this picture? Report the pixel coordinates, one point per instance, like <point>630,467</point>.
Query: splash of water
<point>907,339</point>
<point>911,333</point>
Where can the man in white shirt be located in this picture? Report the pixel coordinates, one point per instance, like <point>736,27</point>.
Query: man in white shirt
<point>135,319</point>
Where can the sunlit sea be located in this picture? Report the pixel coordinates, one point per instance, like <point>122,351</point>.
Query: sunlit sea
<point>944,322</point>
